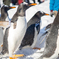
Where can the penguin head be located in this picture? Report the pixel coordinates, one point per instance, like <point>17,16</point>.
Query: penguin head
<point>20,11</point>
<point>43,13</point>
<point>4,14</point>
<point>6,8</point>
<point>39,14</point>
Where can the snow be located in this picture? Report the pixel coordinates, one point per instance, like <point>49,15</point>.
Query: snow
<point>45,20</point>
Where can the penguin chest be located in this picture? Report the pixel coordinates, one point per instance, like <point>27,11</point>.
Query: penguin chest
<point>16,35</point>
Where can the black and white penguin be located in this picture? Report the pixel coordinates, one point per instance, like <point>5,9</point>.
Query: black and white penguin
<point>30,37</point>
<point>33,29</point>
<point>4,24</point>
<point>4,13</point>
<point>51,50</point>
<point>15,33</point>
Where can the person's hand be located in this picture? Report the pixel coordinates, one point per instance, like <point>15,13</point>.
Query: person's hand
<point>51,13</point>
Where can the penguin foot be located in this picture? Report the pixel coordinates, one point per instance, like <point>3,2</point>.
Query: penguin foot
<point>47,14</point>
<point>12,58</point>
<point>16,56</point>
<point>2,45</point>
<point>33,4</point>
<point>36,48</point>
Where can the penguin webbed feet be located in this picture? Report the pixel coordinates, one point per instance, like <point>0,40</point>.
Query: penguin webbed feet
<point>36,48</point>
<point>16,56</point>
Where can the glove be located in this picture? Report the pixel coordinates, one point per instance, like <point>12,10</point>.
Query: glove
<point>51,13</point>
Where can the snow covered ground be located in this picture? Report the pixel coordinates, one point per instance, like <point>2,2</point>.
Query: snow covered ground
<point>45,20</point>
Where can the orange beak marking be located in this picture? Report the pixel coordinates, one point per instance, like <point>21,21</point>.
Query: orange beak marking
<point>33,4</point>
<point>47,14</point>
<point>12,7</point>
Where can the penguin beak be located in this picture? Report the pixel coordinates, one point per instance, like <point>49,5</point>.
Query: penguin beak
<point>12,7</point>
<point>4,23</point>
<point>46,14</point>
<point>33,4</point>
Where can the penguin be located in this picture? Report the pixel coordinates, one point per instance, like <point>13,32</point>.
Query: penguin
<point>51,50</point>
<point>18,26</point>
<point>4,13</point>
<point>15,33</point>
<point>30,37</point>
<point>33,29</point>
<point>4,24</point>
